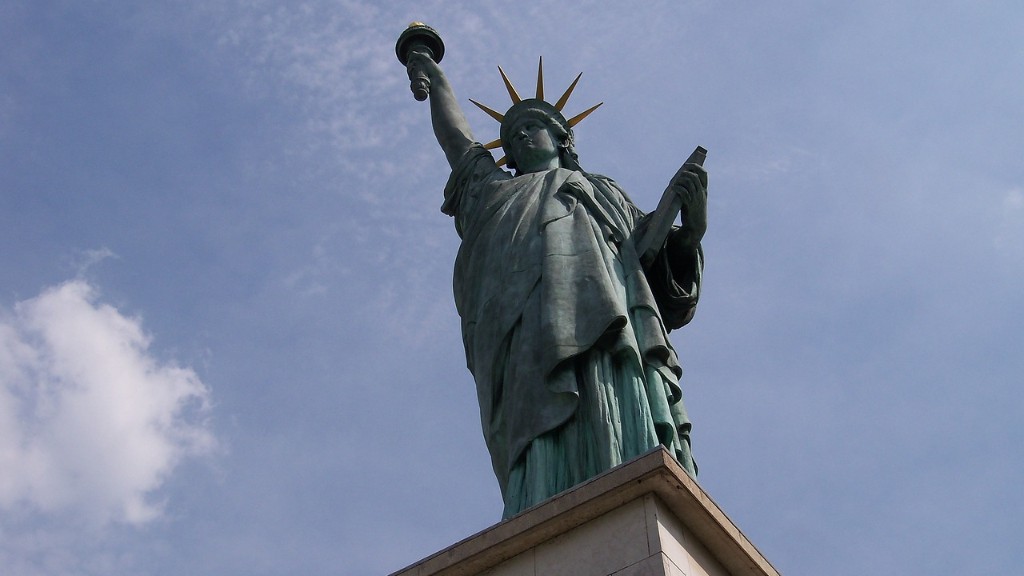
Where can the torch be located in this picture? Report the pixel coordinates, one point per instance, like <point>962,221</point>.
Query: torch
<point>419,37</point>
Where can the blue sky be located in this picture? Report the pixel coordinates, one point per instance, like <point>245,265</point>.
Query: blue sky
<point>227,337</point>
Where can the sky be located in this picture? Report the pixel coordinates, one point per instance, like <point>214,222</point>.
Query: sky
<point>228,343</point>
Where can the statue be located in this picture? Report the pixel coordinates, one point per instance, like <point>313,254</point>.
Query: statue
<point>566,290</point>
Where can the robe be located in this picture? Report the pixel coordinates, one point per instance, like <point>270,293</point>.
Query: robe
<point>565,333</point>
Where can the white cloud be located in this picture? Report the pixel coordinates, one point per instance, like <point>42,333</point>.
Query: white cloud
<point>91,424</point>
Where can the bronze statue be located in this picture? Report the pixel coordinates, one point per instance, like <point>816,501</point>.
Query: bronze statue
<point>565,320</point>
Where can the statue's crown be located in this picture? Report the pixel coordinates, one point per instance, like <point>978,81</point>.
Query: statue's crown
<point>530,106</point>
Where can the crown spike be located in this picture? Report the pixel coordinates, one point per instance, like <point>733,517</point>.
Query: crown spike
<point>493,144</point>
<point>490,112</point>
<point>577,118</point>
<point>540,79</point>
<point>516,99</point>
<point>568,92</point>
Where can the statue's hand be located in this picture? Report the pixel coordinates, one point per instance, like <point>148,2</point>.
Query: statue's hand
<point>423,72</point>
<point>691,186</point>
<point>420,63</point>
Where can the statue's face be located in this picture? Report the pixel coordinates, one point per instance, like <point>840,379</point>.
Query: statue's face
<point>533,146</point>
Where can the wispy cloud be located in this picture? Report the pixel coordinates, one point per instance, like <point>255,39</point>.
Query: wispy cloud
<point>1008,235</point>
<point>325,58</point>
<point>86,259</point>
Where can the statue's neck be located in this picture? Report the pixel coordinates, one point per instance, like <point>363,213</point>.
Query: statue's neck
<point>543,166</point>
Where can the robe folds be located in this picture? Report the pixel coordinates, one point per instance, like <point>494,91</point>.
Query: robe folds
<point>565,333</point>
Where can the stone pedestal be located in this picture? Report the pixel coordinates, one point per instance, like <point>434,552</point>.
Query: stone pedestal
<point>643,518</point>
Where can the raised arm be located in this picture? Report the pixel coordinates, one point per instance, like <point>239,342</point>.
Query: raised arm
<point>450,126</point>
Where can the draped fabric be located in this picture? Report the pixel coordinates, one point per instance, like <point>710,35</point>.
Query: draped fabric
<point>565,334</point>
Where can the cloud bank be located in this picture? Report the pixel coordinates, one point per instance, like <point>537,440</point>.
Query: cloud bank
<point>91,423</point>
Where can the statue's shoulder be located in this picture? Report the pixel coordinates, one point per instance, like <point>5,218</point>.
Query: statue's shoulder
<point>602,178</point>
<point>610,187</point>
<point>479,160</point>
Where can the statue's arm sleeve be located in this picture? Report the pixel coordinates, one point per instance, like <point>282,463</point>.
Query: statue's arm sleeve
<point>470,175</point>
<point>675,278</point>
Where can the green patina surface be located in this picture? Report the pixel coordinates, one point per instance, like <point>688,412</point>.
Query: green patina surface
<point>565,329</point>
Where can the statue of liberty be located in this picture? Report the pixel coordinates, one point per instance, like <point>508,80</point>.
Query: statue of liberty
<point>566,291</point>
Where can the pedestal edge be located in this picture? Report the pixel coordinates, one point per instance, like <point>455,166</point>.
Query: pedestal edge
<point>655,472</point>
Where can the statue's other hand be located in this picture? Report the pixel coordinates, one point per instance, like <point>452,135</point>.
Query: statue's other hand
<point>691,186</point>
